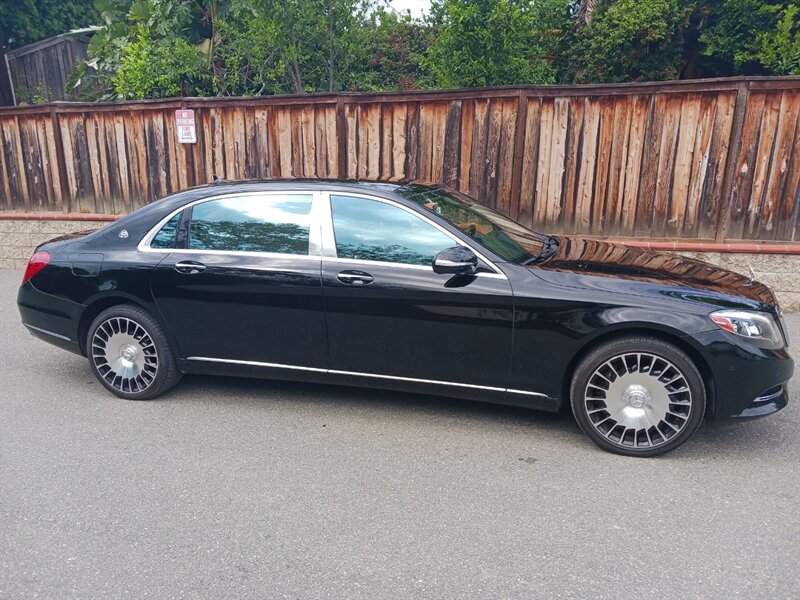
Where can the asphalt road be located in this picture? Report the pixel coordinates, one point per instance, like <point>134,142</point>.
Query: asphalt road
<point>252,489</point>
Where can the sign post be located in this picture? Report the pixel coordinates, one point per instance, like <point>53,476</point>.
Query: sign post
<point>184,125</point>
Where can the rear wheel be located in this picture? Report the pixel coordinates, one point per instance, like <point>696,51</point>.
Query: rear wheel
<point>130,355</point>
<point>638,396</point>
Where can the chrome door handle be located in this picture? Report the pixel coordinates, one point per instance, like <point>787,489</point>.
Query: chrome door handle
<point>355,277</point>
<point>190,267</point>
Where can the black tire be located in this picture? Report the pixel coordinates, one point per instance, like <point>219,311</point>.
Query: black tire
<point>126,339</point>
<point>638,396</point>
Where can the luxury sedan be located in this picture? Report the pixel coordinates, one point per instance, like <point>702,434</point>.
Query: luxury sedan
<point>415,288</point>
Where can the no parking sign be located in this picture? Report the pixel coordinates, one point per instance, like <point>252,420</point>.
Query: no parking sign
<point>184,124</point>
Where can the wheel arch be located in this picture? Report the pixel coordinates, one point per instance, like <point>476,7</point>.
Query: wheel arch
<point>98,305</point>
<point>677,339</point>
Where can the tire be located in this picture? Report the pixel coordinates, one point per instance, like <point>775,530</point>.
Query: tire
<point>638,396</point>
<point>129,353</point>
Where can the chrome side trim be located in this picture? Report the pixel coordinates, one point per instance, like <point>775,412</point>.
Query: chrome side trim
<point>771,396</point>
<point>245,253</point>
<point>253,363</point>
<point>416,380</point>
<point>513,391</point>
<point>55,335</point>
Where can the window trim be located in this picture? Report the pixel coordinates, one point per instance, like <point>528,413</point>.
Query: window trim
<point>329,252</point>
<point>314,243</point>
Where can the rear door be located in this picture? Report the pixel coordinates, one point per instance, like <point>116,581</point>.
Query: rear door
<point>246,285</point>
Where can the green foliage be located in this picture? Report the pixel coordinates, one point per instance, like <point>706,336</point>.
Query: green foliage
<point>496,42</point>
<point>28,21</point>
<point>159,48</point>
<point>629,40</point>
<point>751,37</point>
<point>157,69</point>
<point>390,54</point>
<point>779,48</point>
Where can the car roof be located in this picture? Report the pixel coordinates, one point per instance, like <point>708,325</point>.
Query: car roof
<point>144,217</point>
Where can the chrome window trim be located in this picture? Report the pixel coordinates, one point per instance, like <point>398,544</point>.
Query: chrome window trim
<point>316,198</point>
<point>253,363</point>
<point>329,238</point>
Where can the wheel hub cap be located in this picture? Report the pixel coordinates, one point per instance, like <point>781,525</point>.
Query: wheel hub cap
<point>638,400</point>
<point>124,354</point>
<point>129,353</point>
<point>636,396</point>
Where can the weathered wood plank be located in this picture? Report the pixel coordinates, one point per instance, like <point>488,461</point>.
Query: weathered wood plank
<point>586,174</point>
<point>689,222</point>
<point>686,136</point>
<point>767,141</point>
<point>633,163</point>
<point>743,178</point>
<point>530,159</point>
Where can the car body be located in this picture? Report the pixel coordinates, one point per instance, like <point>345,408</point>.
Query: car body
<point>333,281</point>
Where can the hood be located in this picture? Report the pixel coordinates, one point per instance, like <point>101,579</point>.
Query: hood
<point>602,259</point>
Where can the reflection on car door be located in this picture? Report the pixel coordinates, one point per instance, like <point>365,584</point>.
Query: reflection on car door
<point>389,314</point>
<point>245,287</point>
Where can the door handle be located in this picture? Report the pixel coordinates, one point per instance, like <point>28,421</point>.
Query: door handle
<point>355,277</point>
<point>190,267</point>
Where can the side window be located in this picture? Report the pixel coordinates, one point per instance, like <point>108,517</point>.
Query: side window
<point>165,238</point>
<point>270,223</point>
<point>372,230</point>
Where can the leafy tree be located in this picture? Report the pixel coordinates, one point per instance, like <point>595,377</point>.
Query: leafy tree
<point>150,69</point>
<point>629,40</point>
<point>753,37</point>
<point>496,42</point>
<point>289,46</point>
<point>147,49</point>
<point>779,49</point>
<point>26,21</point>
<point>392,50</point>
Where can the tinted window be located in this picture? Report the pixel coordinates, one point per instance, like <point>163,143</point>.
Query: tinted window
<point>498,233</point>
<point>372,230</point>
<point>252,224</point>
<point>165,238</point>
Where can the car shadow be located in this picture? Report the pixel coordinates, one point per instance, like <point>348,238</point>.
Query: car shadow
<point>749,439</point>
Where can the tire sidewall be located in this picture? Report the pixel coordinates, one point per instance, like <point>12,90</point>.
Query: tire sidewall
<point>626,345</point>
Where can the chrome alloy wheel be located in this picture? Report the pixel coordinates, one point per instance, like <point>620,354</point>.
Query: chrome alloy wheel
<point>124,354</point>
<point>638,400</point>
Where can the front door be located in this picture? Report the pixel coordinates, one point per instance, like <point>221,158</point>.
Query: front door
<point>390,316</point>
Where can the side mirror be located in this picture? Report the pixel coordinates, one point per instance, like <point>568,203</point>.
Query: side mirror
<point>458,260</point>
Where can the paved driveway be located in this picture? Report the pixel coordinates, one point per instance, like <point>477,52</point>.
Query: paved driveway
<point>250,489</point>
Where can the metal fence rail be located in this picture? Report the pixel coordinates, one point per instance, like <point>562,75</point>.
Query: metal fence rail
<point>709,159</point>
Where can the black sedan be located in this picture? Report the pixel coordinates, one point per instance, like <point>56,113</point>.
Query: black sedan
<point>416,288</point>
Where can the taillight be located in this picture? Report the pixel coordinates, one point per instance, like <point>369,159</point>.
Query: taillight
<point>38,261</point>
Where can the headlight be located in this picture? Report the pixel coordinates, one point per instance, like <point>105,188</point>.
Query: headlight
<point>759,328</point>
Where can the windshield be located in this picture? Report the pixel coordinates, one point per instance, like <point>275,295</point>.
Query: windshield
<point>506,238</point>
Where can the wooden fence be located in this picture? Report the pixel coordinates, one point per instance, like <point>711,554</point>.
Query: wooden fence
<point>714,159</point>
<point>41,69</point>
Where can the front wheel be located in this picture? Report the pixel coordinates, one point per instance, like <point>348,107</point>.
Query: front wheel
<point>130,355</point>
<point>638,396</point>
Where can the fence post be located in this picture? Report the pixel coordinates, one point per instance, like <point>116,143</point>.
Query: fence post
<point>341,137</point>
<point>519,149</point>
<point>61,163</point>
<point>734,151</point>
